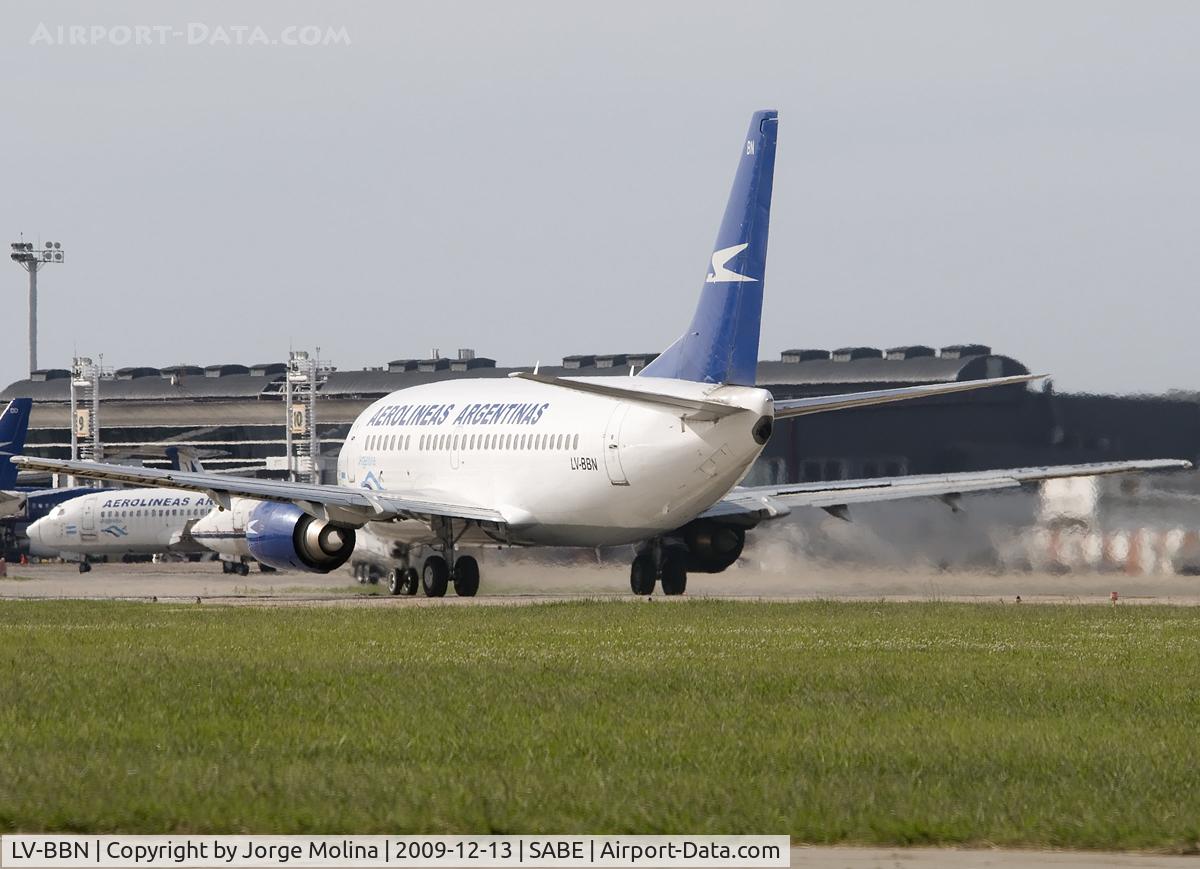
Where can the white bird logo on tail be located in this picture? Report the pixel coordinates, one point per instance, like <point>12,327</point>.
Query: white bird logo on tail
<point>720,274</point>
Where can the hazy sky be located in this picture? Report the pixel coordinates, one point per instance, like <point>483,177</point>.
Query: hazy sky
<point>533,180</point>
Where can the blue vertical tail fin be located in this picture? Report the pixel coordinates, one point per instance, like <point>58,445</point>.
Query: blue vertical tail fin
<point>185,458</point>
<point>14,424</point>
<point>721,344</point>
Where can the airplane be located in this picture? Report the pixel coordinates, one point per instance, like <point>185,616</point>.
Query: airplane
<point>224,532</point>
<point>27,503</point>
<point>14,423</point>
<point>653,460</point>
<point>117,522</point>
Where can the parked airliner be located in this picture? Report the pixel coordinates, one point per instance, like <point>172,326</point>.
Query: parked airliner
<point>652,460</point>
<point>111,523</point>
<point>28,502</point>
<point>14,423</point>
<point>108,524</point>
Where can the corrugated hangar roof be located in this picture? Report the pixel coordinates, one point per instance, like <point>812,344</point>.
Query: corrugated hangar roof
<point>899,365</point>
<point>147,387</point>
<point>819,369</point>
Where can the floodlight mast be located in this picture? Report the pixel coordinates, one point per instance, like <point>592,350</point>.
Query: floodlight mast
<point>24,255</point>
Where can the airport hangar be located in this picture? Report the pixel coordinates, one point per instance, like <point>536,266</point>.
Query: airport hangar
<point>237,413</point>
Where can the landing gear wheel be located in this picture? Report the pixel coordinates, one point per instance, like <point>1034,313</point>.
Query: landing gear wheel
<point>673,575</point>
<point>466,576</point>
<point>410,582</point>
<point>84,567</point>
<point>435,576</point>
<point>642,575</point>
<point>360,573</point>
<point>265,568</point>
<point>395,580</point>
<point>372,576</point>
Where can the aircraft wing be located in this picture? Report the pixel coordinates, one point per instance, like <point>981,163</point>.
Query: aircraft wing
<point>789,407</point>
<point>749,505</point>
<point>335,503</point>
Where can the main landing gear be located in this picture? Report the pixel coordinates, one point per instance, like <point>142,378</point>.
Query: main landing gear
<point>659,564</point>
<point>437,572</point>
<point>437,575</point>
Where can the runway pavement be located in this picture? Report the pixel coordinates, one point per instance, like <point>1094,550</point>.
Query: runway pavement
<point>516,582</point>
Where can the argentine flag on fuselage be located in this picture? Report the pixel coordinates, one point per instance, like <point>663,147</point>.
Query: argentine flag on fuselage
<point>721,344</point>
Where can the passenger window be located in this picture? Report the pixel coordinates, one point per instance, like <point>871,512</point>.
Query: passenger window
<point>576,443</point>
<point>508,442</point>
<point>421,443</point>
<point>472,441</point>
<point>407,438</point>
<point>560,442</point>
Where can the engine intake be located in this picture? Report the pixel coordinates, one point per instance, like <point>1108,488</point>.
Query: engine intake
<point>284,536</point>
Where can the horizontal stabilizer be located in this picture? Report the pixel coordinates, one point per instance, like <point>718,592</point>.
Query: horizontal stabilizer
<point>697,408</point>
<point>790,407</point>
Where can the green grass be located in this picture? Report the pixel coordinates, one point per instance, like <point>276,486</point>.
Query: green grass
<point>890,723</point>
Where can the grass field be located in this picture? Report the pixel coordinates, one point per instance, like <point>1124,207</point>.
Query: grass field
<point>886,723</point>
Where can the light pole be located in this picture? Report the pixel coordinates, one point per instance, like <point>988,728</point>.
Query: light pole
<point>24,255</point>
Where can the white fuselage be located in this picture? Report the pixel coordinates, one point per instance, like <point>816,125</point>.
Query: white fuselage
<point>127,522</point>
<point>563,467</point>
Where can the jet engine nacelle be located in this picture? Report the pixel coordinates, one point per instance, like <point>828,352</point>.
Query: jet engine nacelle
<point>284,536</point>
<point>711,546</point>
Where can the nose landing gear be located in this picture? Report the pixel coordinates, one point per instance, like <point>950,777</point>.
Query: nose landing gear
<point>403,580</point>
